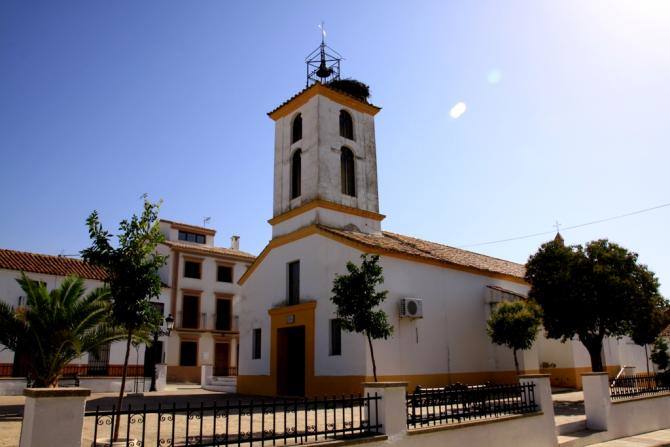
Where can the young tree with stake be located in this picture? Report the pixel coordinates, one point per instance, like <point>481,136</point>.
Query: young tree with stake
<point>356,297</point>
<point>132,276</point>
<point>514,324</point>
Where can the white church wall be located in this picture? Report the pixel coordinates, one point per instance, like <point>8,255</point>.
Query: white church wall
<point>450,338</point>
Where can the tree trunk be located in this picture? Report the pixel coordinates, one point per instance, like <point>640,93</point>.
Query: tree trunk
<point>119,401</point>
<point>595,348</point>
<point>372,354</point>
<point>516,362</point>
<point>646,358</point>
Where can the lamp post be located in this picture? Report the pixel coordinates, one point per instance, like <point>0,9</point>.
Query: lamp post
<point>169,325</point>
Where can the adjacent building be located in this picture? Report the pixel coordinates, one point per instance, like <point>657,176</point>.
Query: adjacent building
<point>199,290</point>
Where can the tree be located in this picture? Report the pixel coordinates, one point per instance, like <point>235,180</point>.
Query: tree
<point>514,324</point>
<point>56,327</point>
<point>132,275</point>
<point>651,317</point>
<point>355,295</point>
<point>659,354</point>
<point>590,292</point>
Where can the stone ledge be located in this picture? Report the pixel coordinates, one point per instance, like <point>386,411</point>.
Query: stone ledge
<point>385,384</point>
<point>56,392</point>
<point>434,428</point>
<point>534,376</point>
<point>347,442</point>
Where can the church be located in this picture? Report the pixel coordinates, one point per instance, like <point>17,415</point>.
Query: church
<point>326,213</point>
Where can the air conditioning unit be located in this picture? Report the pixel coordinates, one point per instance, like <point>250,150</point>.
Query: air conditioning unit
<point>411,308</point>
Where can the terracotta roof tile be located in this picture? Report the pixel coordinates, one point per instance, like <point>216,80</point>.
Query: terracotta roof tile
<point>314,86</point>
<point>208,249</point>
<point>431,250</point>
<point>49,265</point>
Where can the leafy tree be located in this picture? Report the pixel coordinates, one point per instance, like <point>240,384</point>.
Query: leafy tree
<point>355,295</point>
<point>590,292</point>
<point>132,275</point>
<point>651,317</point>
<point>56,327</point>
<point>514,324</point>
<point>659,354</point>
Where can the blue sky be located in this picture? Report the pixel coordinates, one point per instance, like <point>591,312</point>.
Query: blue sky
<point>566,115</point>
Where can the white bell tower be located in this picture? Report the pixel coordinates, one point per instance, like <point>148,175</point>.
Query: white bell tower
<point>325,168</point>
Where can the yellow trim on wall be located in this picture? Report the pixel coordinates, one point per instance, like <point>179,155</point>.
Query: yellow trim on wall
<point>313,229</point>
<point>319,89</point>
<point>302,315</point>
<point>320,203</point>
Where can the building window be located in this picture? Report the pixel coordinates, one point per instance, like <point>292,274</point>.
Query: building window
<point>296,167</point>
<point>192,269</point>
<point>296,131</point>
<point>346,125</point>
<point>224,273</point>
<point>256,344</point>
<point>335,337</point>
<point>188,353</point>
<point>347,171</point>
<point>293,283</point>
<point>224,314</point>
<point>190,309</point>
<point>191,237</point>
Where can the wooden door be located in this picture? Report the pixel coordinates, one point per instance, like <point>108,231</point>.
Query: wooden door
<point>221,359</point>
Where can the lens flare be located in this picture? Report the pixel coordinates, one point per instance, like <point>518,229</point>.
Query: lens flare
<point>494,76</point>
<point>457,110</point>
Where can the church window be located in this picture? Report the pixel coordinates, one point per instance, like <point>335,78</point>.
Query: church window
<point>256,344</point>
<point>295,173</point>
<point>348,175</point>
<point>335,337</point>
<point>293,283</point>
<point>346,125</point>
<point>296,131</point>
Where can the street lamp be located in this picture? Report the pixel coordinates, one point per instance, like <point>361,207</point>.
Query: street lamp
<point>169,325</point>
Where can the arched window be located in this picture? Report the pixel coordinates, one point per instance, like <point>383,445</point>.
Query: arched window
<point>295,174</point>
<point>348,174</point>
<point>346,125</point>
<point>296,131</point>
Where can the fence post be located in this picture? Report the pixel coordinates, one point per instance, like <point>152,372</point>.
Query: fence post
<point>391,409</point>
<point>597,400</point>
<point>161,376</point>
<point>542,394</point>
<point>206,372</point>
<point>53,416</point>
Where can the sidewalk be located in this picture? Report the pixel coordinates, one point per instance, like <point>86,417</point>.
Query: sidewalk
<point>653,439</point>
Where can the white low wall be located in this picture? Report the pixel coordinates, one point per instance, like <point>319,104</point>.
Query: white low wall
<point>529,430</point>
<point>15,386</point>
<point>625,417</point>
<point>12,386</point>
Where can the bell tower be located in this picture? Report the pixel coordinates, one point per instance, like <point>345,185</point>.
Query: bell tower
<point>325,165</point>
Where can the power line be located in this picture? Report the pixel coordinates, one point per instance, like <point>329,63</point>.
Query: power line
<point>571,227</point>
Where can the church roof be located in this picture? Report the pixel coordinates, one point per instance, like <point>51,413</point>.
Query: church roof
<point>49,265</point>
<point>305,94</point>
<point>209,250</point>
<point>439,253</point>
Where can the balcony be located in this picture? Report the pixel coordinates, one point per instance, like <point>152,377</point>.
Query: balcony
<point>206,322</point>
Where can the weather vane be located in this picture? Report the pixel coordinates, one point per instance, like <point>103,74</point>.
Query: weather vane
<point>323,64</point>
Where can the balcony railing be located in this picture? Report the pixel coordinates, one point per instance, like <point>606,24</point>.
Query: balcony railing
<point>207,322</point>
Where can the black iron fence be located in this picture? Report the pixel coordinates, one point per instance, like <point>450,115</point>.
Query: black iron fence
<point>458,403</point>
<point>250,423</point>
<point>639,385</point>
